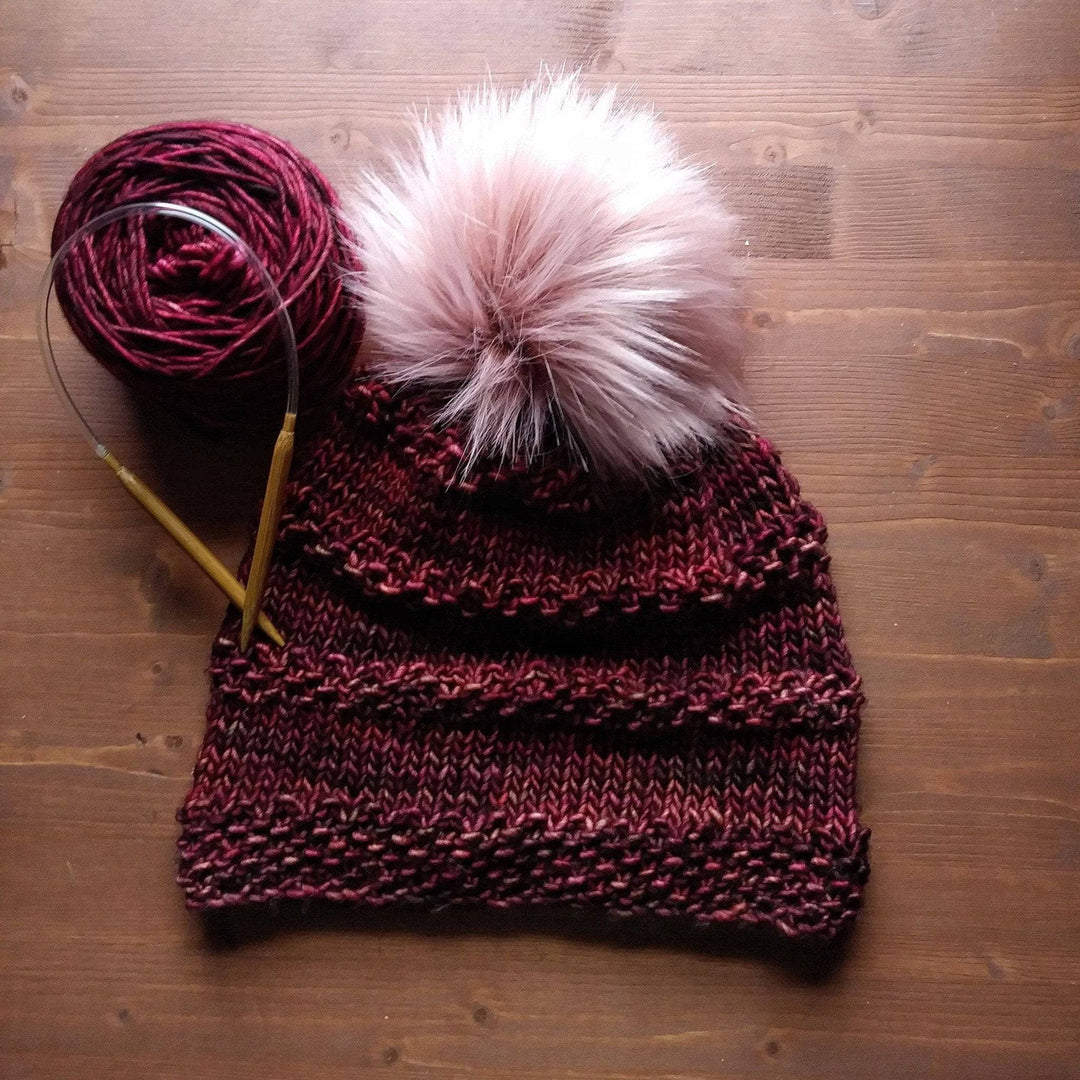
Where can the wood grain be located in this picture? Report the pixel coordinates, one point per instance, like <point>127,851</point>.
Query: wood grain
<point>907,178</point>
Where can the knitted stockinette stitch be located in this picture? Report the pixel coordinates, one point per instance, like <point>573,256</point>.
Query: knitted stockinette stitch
<point>508,688</point>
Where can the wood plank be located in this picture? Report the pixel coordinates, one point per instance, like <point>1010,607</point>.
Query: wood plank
<point>768,37</point>
<point>894,37</point>
<point>795,210</point>
<point>895,564</point>
<point>346,116</point>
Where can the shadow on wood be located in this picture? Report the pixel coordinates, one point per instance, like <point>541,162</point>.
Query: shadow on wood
<point>810,962</point>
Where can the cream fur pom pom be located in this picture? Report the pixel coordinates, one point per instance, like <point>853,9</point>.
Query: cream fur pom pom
<point>549,261</point>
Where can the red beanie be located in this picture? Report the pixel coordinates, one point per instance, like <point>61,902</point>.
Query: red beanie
<point>517,689</point>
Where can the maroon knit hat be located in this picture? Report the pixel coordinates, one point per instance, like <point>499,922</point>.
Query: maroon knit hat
<point>518,688</point>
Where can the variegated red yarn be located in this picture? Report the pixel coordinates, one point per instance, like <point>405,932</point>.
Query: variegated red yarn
<point>513,689</point>
<point>173,309</point>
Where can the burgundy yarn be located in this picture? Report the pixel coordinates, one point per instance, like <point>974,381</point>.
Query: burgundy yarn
<point>174,310</point>
<point>495,693</point>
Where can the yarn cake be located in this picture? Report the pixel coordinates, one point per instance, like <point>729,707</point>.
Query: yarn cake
<point>175,311</point>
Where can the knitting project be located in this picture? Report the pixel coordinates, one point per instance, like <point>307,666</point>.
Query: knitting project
<point>511,687</point>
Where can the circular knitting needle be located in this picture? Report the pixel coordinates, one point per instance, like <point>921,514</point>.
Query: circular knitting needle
<point>249,600</point>
<point>268,523</point>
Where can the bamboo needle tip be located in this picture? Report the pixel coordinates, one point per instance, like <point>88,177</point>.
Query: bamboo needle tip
<point>266,626</point>
<point>268,523</point>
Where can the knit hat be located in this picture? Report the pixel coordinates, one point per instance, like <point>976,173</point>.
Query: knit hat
<point>499,690</point>
<point>518,670</point>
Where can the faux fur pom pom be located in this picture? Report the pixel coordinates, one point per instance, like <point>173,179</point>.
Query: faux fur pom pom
<point>548,259</point>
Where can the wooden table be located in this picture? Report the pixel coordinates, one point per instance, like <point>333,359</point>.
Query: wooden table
<point>907,173</point>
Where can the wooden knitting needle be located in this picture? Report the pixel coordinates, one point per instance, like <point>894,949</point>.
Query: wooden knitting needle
<point>268,525</point>
<point>203,556</point>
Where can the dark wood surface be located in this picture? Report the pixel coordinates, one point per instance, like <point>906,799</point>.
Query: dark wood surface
<point>907,173</point>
